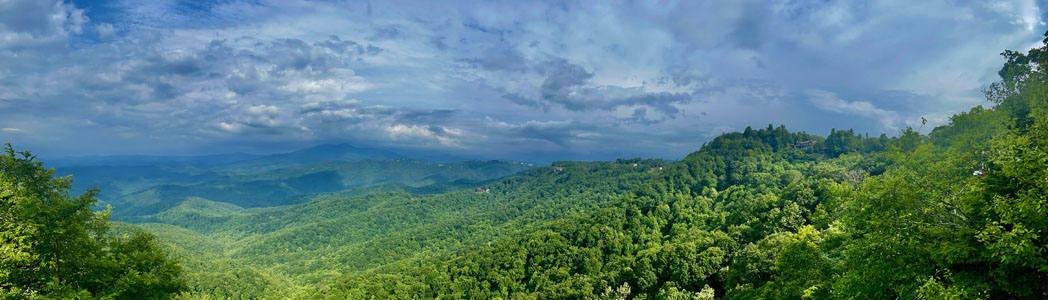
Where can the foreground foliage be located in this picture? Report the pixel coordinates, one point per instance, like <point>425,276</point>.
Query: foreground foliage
<point>53,246</point>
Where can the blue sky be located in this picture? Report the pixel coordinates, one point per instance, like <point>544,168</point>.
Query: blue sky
<point>492,79</point>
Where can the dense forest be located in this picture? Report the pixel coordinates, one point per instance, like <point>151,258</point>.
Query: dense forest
<point>959,213</point>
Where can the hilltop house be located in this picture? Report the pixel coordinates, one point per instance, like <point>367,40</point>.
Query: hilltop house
<point>804,145</point>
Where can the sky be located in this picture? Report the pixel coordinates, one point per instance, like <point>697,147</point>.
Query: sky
<point>523,80</point>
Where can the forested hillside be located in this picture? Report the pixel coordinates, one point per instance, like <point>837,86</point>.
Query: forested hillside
<point>752,215</point>
<point>344,232</point>
<point>958,214</point>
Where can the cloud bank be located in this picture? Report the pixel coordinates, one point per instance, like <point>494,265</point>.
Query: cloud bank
<point>510,80</point>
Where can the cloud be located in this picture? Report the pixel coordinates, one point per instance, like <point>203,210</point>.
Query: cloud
<point>385,32</point>
<point>1025,13</point>
<point>830,102</point>
<point>415,134</point>
<point>38,25</point>
<point>562,82</point>
<point>570,80</point>
<point>569,86</point>
<point>105,30</point>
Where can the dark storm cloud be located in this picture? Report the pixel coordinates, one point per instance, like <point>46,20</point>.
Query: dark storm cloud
<point>525,101</point>
<point>562,78</point>
<point>565,84</point>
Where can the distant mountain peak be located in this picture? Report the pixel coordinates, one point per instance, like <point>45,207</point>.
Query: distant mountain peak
<point>314,154</point>
<point>332,146</point>
<point>344,149</point>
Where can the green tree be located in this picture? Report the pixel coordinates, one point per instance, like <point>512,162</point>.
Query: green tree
<point>1016,238</point>
<point>53,246</point>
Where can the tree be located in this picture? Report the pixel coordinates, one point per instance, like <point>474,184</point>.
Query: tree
<point>52,245</point>
<point>1014,193</point>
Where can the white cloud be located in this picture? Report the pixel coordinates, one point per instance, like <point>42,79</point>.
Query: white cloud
<point>424,134</point>
<point>105,30</point>
<point>830,102</point>
<point>267,110</point>
<point>230,127</point>
<point>1024,13</point>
